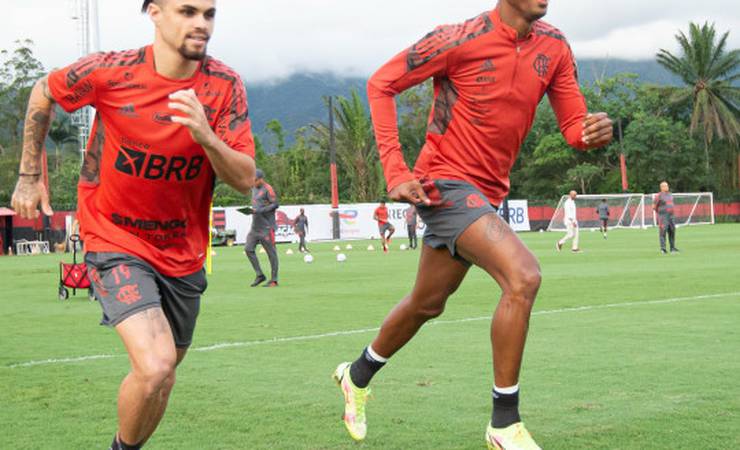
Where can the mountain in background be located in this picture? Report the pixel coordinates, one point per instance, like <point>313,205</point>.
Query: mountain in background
<point>297,101</point>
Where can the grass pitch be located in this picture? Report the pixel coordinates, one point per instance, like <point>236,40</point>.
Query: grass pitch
<point>628,349</point>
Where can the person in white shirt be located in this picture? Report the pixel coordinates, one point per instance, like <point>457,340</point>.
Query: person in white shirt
<point>571,224</point>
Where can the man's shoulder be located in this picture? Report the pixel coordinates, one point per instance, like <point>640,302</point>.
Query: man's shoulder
<point>447,37</point>
<point>122,60</point>
<point>548,31</point>
<point>219,70</point>
<point>268,188</point>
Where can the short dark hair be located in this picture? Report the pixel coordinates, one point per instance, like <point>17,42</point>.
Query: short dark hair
<point>146,4</point>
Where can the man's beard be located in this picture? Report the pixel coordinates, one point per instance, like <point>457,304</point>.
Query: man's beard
<point>536,16</point>
<point>191,55</point>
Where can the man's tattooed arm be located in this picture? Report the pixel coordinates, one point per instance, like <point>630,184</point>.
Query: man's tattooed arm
<point>30,190</point>
<point>36,126</point>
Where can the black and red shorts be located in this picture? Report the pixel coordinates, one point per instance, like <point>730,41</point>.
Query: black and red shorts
<point>126,285</point>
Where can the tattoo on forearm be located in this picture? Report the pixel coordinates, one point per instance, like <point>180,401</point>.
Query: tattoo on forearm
<point>90,170</point>
<point>34,135</point>
<point>496,229</point>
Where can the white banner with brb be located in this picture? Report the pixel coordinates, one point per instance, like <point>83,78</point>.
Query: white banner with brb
<point>355,221</point>
<point>518,215</point>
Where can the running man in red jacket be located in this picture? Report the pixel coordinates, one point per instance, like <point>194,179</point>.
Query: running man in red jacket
<point>489,73</point>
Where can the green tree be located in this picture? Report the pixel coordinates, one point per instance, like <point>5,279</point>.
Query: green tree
<point>413,116</point>
<point>709,72</point>
<point>660,148</point>
<point>581,175</point>
<point>61,132</point>
<point>19,71</point>
<point>357,157</point>
<point>277,132</point>
<point>63,184</point>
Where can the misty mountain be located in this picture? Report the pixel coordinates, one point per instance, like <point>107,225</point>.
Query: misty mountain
<point>297,101</point>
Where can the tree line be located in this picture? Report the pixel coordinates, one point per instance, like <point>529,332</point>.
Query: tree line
<point>685,134</point>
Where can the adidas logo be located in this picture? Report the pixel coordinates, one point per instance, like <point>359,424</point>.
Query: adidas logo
<point>488,66</point>
<point>128,110</point>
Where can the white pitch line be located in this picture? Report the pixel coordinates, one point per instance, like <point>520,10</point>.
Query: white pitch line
<point>279,340</point>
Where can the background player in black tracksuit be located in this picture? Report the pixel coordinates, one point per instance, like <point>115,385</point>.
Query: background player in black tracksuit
<point>300,225</point>
<point>663,205</point>
<point>411,223</point>
<point>264,205</point>
<point>603,211</point>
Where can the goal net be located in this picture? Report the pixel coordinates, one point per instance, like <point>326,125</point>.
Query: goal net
<point>625,211</point>
<point>635,210</point>
<point>688,209</point>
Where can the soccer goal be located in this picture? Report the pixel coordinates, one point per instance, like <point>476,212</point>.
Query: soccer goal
<point>625,211</point>
<point>693,208</point>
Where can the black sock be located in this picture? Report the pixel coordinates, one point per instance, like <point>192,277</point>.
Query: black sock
<point>505,409</point>
<point>362,370</point>
<point>120,445</point>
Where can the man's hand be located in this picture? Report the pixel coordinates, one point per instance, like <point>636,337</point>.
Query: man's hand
<point>29,192</point>
<point>597,130</point>
<point>410,192</point>
<point>195,117</point>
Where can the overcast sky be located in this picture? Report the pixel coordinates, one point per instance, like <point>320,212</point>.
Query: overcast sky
<point>271,39</point>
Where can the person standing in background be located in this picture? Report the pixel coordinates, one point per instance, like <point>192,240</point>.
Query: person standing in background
<point>300,226</point>
<point>264,205</point>
<point>411,223</point>
<point>663,206</point>
<point>570,220</point>
<point>603,211</point>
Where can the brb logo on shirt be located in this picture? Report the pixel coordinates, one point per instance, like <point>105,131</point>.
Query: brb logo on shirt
<point>158,167</point>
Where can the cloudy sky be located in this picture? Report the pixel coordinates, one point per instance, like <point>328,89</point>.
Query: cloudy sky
<point>271,39</point>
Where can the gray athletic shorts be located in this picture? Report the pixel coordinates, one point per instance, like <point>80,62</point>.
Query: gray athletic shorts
<point>126,285</point>
<point>457,205</point>
<point>382,228</point>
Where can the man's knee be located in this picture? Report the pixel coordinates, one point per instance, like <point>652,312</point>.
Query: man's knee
<point>525,283</point>
<point>431,306</point>
<point>157,374</point>
<point>431,309</point>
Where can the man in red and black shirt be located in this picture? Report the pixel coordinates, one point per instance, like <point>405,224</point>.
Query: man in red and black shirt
<point>385,228</point>
<point>170,119</point>
<point>489,73</point>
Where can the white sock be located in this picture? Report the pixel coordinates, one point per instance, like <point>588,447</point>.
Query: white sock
<point>507,390</point>
<point>375,356</point>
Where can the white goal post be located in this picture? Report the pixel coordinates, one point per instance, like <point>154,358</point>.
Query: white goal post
<point>625,211</point>
<point>689,208</point>
<point>636,210</point>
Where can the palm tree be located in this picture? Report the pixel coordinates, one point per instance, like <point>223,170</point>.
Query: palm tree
<point>356,153</point>
<point>61,132</point>
<point>710,74</point>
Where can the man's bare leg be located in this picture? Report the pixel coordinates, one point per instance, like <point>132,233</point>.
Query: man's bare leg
<point>144,392</point>
<point>154,419</point>
<point>490,244</point>
<point>438,276</point>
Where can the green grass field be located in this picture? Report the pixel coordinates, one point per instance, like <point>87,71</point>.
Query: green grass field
<point>628,349</point>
